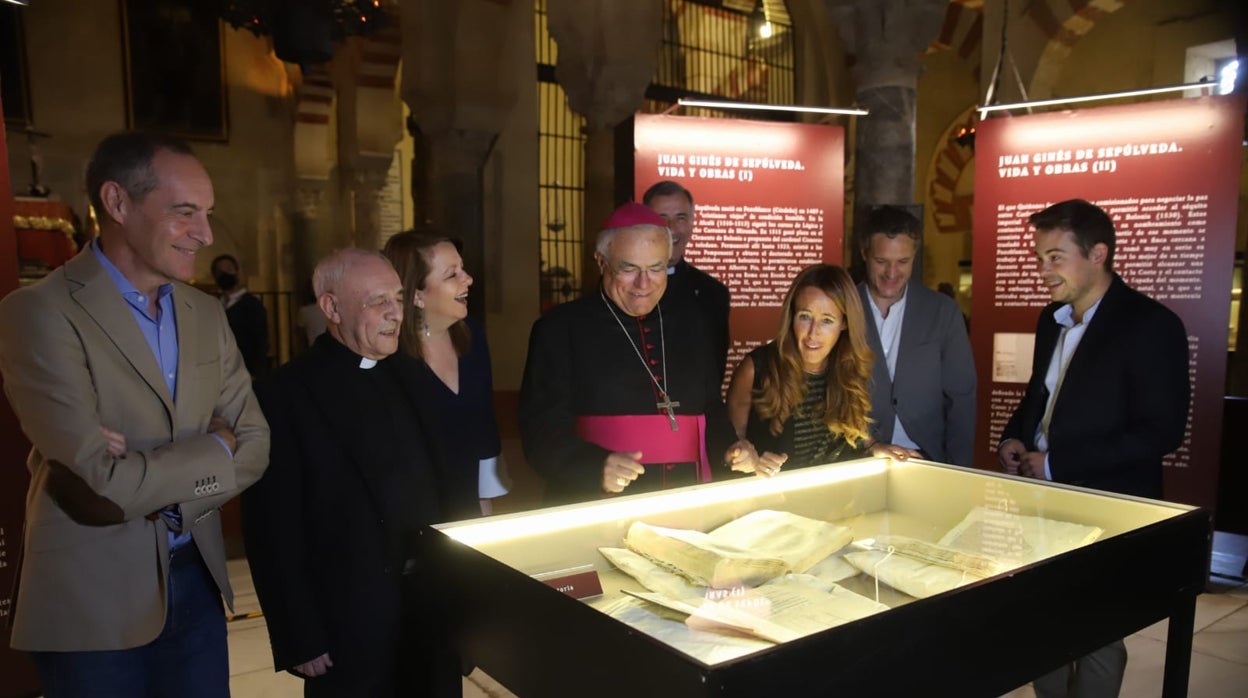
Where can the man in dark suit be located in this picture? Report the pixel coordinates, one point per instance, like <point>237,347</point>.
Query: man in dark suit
<point>248,319</point>
<point>1108,394</point>
<point>142,423</point>
<point>331,530</point>
<point>674,204</point>
<point>923,381</point>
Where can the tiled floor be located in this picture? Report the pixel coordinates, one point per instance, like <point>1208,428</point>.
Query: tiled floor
<point>1219,654</point>
<point>251,663</point>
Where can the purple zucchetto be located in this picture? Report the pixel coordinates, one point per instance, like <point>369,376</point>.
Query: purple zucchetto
<point>631,214</point>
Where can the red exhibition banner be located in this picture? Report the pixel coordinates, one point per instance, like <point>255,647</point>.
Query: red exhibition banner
<point>17,673</point>
<point>769,201</point>
<point>1168,174</point>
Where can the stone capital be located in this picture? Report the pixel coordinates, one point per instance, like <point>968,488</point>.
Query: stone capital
<point>459,62</point>
<point>460,150</point>
<point>309,197</point>
<point>369,172</point>
<point>886,38</point>
<point>603,69</point>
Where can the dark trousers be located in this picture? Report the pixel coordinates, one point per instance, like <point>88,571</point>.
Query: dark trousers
<point>1097,675</point>
<point>410,656</point>
<point>189,658</point>
<point>429,660</point>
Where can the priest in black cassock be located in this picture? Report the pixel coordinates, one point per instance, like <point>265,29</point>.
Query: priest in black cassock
<point>331,529</point>
<point>620,392</point>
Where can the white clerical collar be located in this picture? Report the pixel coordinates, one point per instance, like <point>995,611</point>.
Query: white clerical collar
<point>367,363</point>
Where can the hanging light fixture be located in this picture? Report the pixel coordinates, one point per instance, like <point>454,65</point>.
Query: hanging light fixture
<point>1094,98</point>
<point>760,24</point>
<point>757,106</point>
<point>340,18</point>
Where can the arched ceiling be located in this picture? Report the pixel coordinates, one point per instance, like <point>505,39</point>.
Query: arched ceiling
<point>1061,23</point>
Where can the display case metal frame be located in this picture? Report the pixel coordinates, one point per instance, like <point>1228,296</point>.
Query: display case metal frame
<point>981,639</point>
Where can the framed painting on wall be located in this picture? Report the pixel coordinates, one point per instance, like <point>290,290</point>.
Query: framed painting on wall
<point>175,69</point>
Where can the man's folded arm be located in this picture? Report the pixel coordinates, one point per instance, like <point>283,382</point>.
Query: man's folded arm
<point>51,387</point>
<point>237,405</point>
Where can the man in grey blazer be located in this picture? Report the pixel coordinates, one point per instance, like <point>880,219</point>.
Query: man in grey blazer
<point>923,381</point>
<point>132,392</point>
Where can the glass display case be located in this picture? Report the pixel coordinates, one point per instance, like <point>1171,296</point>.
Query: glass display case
<point>1044,573</point>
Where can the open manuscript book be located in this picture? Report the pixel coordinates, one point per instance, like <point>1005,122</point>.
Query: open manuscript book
<point>771,577</point>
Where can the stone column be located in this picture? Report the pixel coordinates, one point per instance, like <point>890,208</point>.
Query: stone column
<point>309,235</point>
<point>885,39</point>
<point>368,178</point>
<point>461,95</point>
<point>316,167</point>
<point>604,72</point>
<point>456,159</point>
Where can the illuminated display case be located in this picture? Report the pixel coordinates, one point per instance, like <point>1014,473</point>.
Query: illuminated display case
<point>982,638</point>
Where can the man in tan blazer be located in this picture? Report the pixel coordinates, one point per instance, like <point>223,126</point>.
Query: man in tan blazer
<point>130,387</point>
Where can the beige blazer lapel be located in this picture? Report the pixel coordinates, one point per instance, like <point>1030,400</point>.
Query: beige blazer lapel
<point>96,293</point>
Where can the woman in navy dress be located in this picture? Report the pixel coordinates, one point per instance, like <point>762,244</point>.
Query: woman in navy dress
<point>457,384</point>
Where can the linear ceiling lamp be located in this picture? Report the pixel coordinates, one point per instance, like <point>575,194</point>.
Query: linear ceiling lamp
<point>1092,98</point>
<point>754,106</point>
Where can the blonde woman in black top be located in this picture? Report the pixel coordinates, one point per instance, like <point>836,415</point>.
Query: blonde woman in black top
<point>803,398</point>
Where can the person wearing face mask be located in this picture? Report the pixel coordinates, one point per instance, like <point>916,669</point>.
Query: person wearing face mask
<point>618,392</point>
<point>802,399</point>
<point>454,361</point>
<point>332,529</point>
<point>246,314</point>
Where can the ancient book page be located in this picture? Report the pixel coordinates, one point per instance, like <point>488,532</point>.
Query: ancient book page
<point>777,612</point>
<point>907,575</point>
<point>669,627</point>
<point>1018,540</point>
<point>751,550</point>
<point>799,541</point>
<point>653,577</point>
<point>985,543</point>
<point>701,558</point>
<point>822,577</point>
<point>934,554</point>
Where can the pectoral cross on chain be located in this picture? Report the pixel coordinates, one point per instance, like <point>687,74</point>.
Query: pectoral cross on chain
<point>668,405</point>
